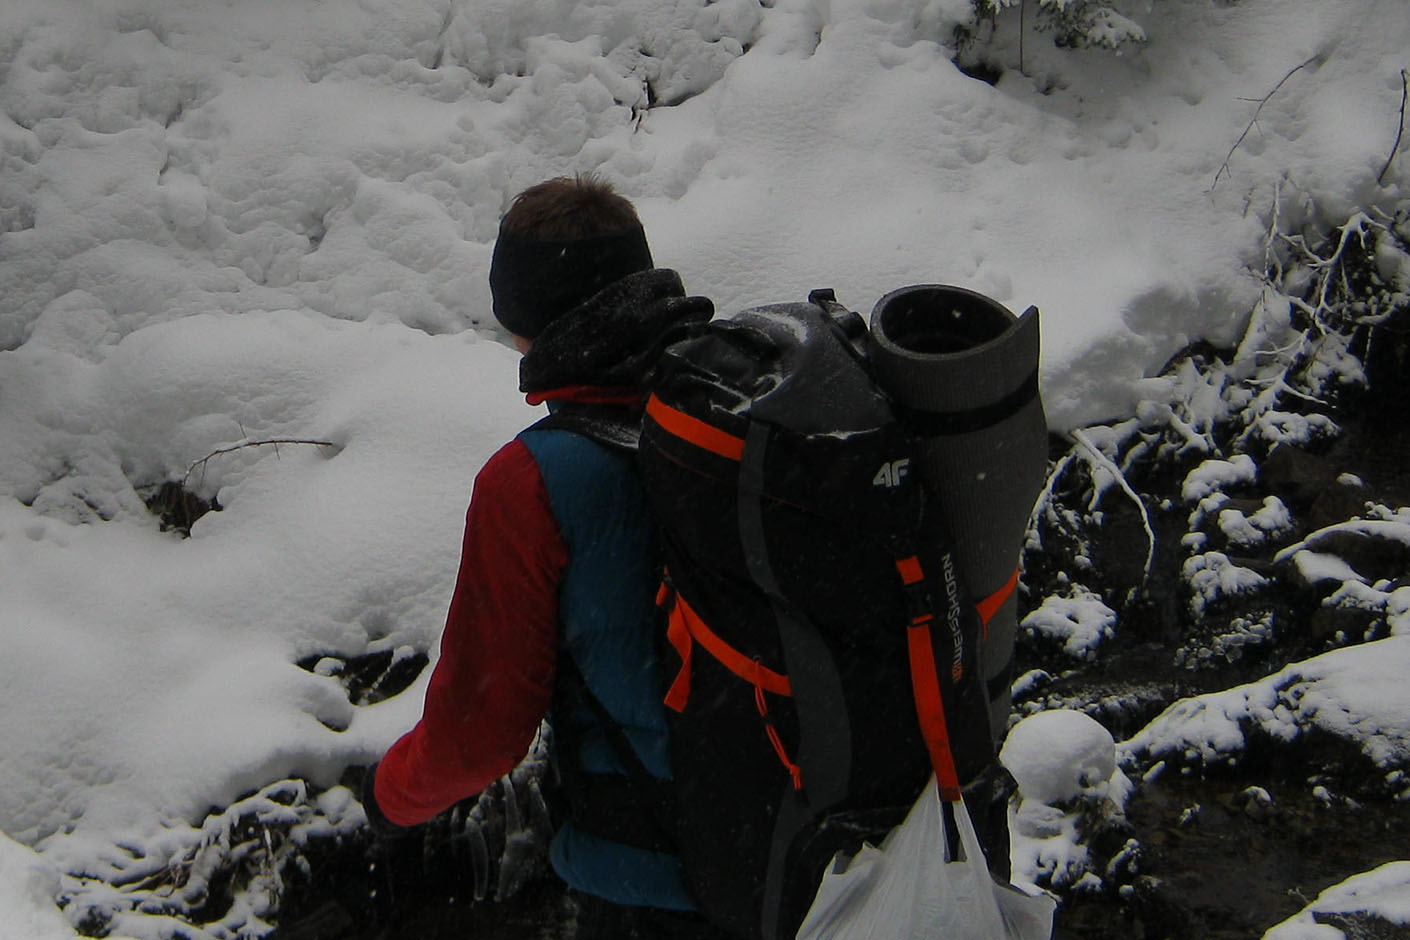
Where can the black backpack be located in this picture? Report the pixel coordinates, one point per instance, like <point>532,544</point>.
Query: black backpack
<point>821,651</point>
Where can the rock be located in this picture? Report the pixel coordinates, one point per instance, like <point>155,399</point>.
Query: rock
<point>1360,925</point>
<point>1297,476</point>
<point>1327,623</point>
<point>1258,804</point>
<point>1336,503</point>
<point>1373,558</point>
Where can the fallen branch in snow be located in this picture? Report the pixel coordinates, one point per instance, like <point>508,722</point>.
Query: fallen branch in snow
<point>1120,479</point>
<point>274,441</point>
<point>1317,59</point>
<point>1399,128</point>
<point>1031,534</point>
<point>1319,283</point>
<point>1331,272</point>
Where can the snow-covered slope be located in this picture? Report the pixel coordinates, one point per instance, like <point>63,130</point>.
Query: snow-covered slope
<point>222,224</point>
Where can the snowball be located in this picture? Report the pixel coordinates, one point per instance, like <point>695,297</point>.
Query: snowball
<point>1060,755</point>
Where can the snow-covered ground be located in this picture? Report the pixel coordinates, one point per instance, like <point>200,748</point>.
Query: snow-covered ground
<point>232,223</point>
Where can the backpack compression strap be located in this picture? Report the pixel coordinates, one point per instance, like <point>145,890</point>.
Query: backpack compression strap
<point>691,429</point>
<point>684,629</point>
<point>990,605</point>
<point>925,678</point>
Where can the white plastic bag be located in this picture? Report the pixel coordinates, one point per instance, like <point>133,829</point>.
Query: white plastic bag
<point>909,889</point>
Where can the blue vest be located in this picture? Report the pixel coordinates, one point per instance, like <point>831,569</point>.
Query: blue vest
<point>606,610</point>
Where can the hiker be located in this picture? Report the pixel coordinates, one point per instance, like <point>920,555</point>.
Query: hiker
<point>558,573</point>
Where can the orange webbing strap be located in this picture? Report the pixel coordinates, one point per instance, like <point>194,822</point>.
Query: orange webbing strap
<point>990,605</point>
<point>692,429</point>
<point>795,772</point>
<point>930,708</point>
<point>679,636</point>
<point>910,570</point>
<point>925,684</point>
<point>684,629</point>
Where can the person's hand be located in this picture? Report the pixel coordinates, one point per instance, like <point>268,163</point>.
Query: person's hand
<point>382,827</point>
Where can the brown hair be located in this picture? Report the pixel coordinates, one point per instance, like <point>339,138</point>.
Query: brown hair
<point>569,207</point>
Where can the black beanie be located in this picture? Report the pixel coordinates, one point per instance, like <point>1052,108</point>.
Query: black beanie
<point>536,280</point>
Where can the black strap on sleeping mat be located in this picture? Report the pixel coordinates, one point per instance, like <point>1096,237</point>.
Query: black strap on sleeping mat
<point>929,423</point>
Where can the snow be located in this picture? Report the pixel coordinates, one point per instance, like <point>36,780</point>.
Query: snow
<point>1357,694</point>
<point>1080,622</point>
<point>27,888</point>
<point>1212,577</point>
<point>1384,523</point>
<point>317,550</point>
<point>1313,567</point>
<point>1069,785</point>
<point>1214,475</point>
<point>1248,529</point>
<point>223,224</point>
<point>1384,890</point>
<point>1060,755</point>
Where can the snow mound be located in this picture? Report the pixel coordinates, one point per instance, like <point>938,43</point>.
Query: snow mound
<point>227,225</point>
<point>166,158</point>
<point>1357,694</point>
<point>28,886</point>
<point>1384,891</point>
<point>344,550</point>
<point>1080,622</point>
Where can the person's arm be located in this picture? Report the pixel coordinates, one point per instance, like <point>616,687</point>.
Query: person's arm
<point>493,682</point>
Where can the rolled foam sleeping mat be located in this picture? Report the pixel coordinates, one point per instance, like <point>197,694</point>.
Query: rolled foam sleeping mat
<point>964,371</point>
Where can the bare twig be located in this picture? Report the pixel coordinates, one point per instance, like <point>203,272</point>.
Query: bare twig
<point>1270,259</point>
<point>1022,11</point>
<point>1399,128</point>
<point>1102,460</point>
<point>1330,270</point>
<point>1045,498</point>
<point>275,442</point>
<point>1253,121</point>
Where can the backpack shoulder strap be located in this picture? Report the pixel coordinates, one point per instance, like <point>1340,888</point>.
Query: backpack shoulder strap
<point>636,809</point>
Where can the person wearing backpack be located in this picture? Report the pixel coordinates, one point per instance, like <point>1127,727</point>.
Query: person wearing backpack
<point>554,605</point>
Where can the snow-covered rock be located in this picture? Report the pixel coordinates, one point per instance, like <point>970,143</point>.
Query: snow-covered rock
<point>1069,786</point>
<point>1382,894</point>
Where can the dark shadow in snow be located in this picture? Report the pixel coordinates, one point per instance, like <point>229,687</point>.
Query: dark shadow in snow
<point>371,677</point>
<point>177,507</point>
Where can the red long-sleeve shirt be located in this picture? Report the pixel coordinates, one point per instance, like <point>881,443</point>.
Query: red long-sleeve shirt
<point>493,683</point>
